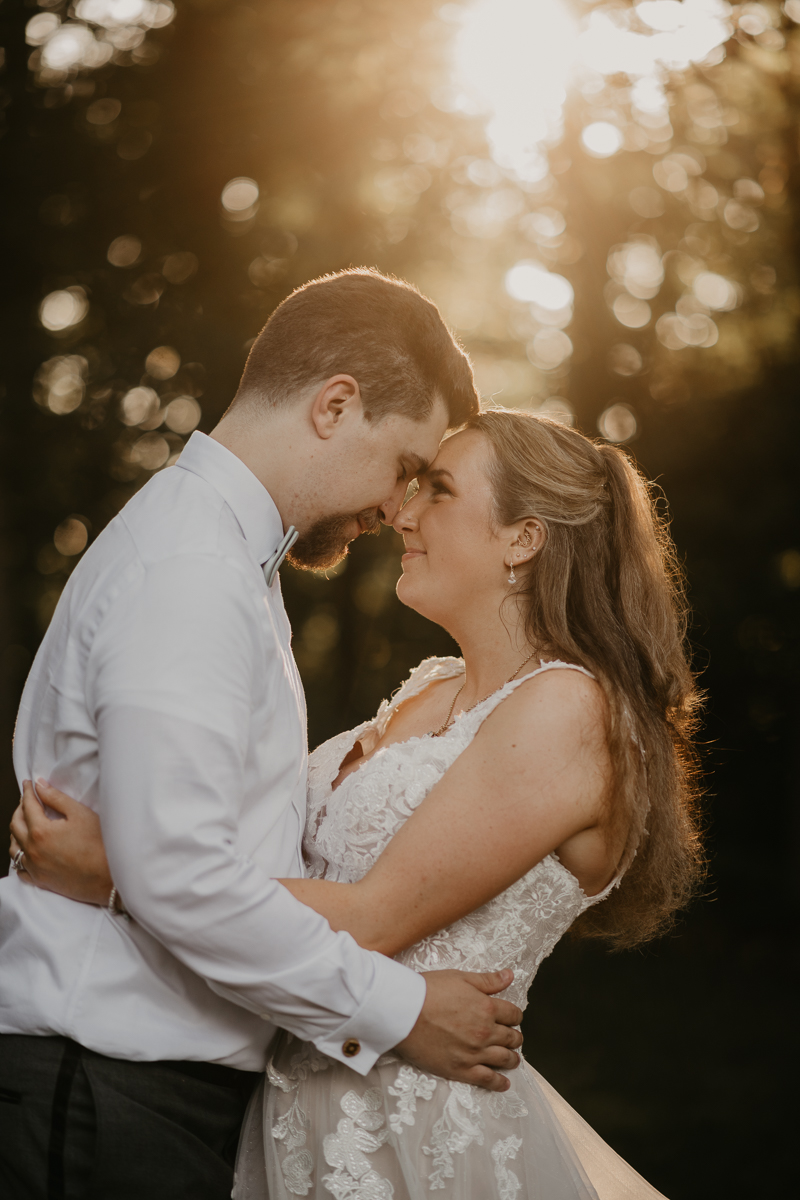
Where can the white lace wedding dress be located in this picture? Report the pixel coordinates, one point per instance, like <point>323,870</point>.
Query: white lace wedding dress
<point>318,1129</point>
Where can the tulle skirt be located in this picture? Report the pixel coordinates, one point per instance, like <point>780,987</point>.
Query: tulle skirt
<point>315,1128</point>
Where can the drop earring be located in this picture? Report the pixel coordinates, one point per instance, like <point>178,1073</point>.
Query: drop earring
<point>512,577</point>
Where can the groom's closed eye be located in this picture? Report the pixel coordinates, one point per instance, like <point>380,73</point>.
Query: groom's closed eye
<point>410,466</point>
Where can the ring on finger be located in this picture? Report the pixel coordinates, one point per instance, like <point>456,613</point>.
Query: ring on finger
<point>18,861</point>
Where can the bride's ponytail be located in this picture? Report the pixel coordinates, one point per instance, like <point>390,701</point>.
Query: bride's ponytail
<point>606,592</point>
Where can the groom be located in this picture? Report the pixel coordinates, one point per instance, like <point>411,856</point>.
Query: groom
<point>165,696</point>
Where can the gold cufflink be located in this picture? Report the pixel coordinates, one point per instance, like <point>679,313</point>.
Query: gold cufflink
<point>351,1047</point>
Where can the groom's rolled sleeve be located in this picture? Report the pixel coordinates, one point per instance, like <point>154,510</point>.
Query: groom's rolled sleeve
<point>172,700</point>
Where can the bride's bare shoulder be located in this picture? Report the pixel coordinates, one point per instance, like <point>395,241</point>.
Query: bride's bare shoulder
<point>560,697</point>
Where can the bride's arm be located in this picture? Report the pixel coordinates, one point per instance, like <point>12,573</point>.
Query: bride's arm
<point>535,775</point>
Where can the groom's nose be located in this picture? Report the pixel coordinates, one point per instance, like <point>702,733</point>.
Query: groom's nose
<point>391,507</point>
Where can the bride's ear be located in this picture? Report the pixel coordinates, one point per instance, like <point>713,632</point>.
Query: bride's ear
<point>527,539</point>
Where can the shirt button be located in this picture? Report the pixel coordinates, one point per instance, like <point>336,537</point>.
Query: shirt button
<point>351,1047</point>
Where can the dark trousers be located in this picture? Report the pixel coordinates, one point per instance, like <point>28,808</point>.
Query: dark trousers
<point>75,1125</point>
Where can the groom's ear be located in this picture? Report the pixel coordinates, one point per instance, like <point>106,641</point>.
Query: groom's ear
<point>335,404</point>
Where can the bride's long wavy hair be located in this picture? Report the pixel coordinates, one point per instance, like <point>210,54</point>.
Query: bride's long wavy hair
<point>606,591</point>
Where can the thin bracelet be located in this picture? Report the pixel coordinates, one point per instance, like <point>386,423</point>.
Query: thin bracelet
<point>115,905</point>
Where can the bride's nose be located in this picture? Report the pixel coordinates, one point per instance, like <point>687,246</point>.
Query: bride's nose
<point>406,519</point>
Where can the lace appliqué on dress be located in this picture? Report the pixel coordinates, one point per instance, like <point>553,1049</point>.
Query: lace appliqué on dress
<point>409,1086</point>
<point>508,1184</point>
<point>358,1134</point>
<point>291,1129</point>
<point>407,1133</point>
<point>459,1127</point>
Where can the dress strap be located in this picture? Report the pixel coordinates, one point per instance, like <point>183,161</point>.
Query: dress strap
<point>552,665</point>
<point>481,711</point>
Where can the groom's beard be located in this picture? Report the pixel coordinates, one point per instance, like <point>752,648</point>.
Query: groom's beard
<point>325,543</point>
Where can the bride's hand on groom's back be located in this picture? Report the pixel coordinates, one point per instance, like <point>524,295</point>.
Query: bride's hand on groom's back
<point>464,1032</point>
<point>65,854</point>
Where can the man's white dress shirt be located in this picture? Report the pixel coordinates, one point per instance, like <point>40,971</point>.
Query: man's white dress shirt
<point>165,696</point>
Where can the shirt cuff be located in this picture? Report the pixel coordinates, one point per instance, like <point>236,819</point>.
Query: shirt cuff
<point>385,1018</point>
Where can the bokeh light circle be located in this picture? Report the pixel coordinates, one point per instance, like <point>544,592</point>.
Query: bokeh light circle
<point>239,194</point>
<point>163,362</point>
<point>183,414</point>
<point>630,312</point>
<point>618,423</point>
<point>60,383</point>
<point>534,284</point>
<point>715,291</point>
<point>151,451</point>
<point>601,139</point>
<point>549,349</point>
<point>624,359</point>
<point>70,537</point>
<point>64,308</point>
<point>124,251</point>
<point>138,405</point>
<point>179,267</point>
<point>41,27</point>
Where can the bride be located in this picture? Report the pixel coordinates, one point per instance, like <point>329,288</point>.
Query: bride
<point>541,783</point>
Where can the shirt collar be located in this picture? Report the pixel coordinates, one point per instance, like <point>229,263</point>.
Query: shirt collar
<point>248,499</point>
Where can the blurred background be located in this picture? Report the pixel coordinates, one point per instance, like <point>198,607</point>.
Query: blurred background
<point>602,198</point>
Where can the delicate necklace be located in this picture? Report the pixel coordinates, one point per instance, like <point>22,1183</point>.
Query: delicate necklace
<point>439,732</point>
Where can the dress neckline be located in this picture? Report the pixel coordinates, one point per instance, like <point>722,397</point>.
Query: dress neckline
<point>382,717</point>
<point>357,733</point>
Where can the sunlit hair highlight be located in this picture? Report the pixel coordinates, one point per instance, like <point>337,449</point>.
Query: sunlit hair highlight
<point>606,592</point>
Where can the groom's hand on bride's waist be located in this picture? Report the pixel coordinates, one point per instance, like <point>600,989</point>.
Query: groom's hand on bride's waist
<point>464,1032</point>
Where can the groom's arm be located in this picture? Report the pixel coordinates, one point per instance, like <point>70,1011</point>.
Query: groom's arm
<point>170,686</point>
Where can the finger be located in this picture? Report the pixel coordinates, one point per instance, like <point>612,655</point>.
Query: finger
<point>483,1077</point>
<point>506,1013</point>
<point>22,873</point>
<point>19,827</point>
<point>53,798</point>
<point>498,1058</point>
<point>31,807</point>
<point>503,1035</point>
<point>497,1035</point>
<point>490,982</point>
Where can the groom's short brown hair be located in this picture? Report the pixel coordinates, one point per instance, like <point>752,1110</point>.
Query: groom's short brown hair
<point>382,331</point>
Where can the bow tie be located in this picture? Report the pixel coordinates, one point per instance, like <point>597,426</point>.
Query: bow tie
<point>272,565</point>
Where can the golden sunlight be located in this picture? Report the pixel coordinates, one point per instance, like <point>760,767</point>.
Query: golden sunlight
<point>515,61</point>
